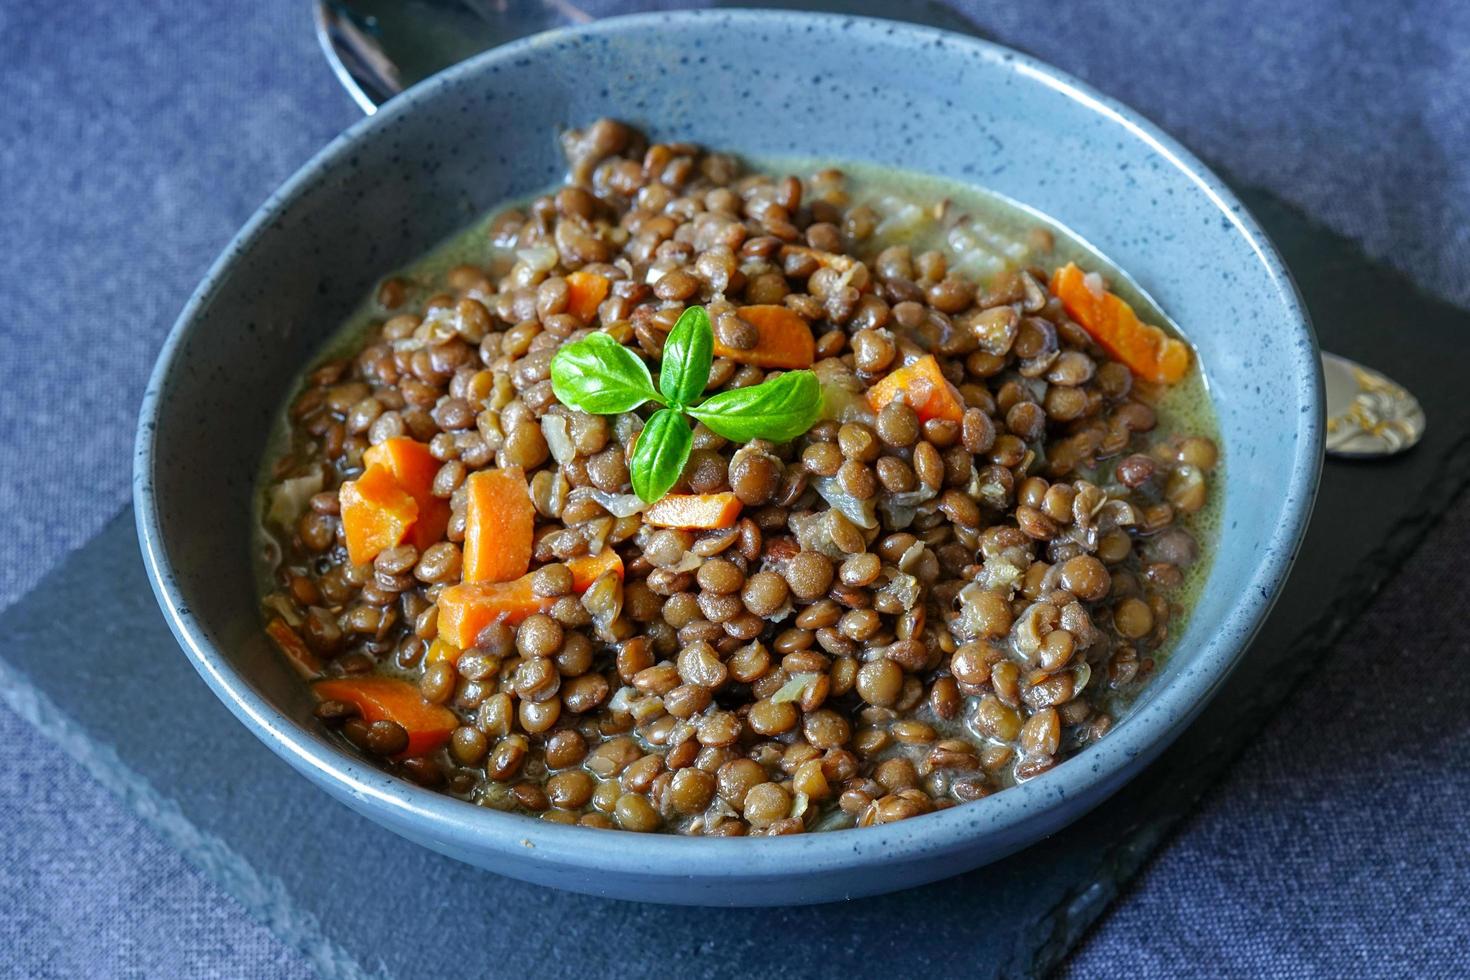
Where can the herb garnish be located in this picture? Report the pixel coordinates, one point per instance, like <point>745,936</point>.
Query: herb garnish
<point>600,376</point>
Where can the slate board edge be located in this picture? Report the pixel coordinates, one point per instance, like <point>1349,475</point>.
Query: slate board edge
<point>264,898</point>
<point>1119,864</point>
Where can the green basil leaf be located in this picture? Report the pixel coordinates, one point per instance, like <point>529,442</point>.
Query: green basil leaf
<point>659,457</point>
<point>779,410</point>
<point>688,351</point>
<point>601,376</point>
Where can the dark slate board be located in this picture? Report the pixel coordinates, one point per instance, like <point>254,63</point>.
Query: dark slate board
<point>360,901</point>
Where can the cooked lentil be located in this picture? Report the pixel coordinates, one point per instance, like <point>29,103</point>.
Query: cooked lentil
<point>910,614</point>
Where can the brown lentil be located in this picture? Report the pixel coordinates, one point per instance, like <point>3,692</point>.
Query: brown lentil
<point>931,642</point>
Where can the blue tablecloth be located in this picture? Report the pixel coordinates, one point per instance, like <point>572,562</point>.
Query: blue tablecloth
<point>135,137</point>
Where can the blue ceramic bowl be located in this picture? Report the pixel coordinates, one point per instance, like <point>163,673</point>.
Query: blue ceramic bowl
<point>839,88</point>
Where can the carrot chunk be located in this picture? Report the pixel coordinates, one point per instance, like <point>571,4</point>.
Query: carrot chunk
<point>390,699</point>
<point>783,339</point>
<point>924,387</point>
<point>590,568</point>
<point>307,664</point>
<point>694,510</point>
<point>376,513</point>
<point>586,291</point>
<point>414,467</point>
<point>466,609</point>
<point>1147,351</point>
<point>499,526</point>
<point>441,650</point>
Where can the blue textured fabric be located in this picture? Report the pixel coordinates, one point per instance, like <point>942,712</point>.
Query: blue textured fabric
<point>86,890</point>
<point>136,136</point>
<point>1336,847</point>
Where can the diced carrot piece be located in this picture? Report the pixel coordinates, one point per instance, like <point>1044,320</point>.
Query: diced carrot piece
<point>924,387</point>
<point>783,339</point>
<point>590,568</point>
<point>500,522</point>
<point>586,291</point>
<point>694,510</point>
<point>441,650</point>
<point>376,513</point>
<point>307,664</point>
<point>414,467</point>
<point>466,609</point>
<point>1147,351</point>
<point>390,699</point>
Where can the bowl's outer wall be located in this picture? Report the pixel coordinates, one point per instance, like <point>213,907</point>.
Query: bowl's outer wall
<point>438,157</point>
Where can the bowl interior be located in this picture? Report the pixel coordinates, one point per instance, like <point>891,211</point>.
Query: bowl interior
<point>828,87</point>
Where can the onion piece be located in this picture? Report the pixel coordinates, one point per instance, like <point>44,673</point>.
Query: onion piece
<point>966,624</point>
<point>598,531</point>
<point>688,563</point>
<point>799,805</point>
<point>780,612</point>
<point>863,513</point>
<point>991,494</point>
<point>843,395</point>
<point>624,699</point>
<point>1081,674</point>
<point>902,508</point>
<point>558,439</point>
<point>793,689</point>
<point>903,587</point>
<point>439,325</point>
<point>290,497</point>
<point>626,427</point>
<point>909,560</point>
<point>1000,575</point>
<point>815,534</point>
<point>838,819</point>
<point>899,517</point>
<point>618,504</point>
<point>282,607</point>
<point>541,258</point>
<point>899,216</point>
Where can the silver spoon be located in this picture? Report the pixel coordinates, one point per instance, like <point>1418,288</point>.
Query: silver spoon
<point>378,48</point>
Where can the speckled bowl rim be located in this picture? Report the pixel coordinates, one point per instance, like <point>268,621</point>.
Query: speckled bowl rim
<point>469,828</point>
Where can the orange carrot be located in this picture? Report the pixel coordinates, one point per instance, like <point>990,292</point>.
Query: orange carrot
<point>586,291</point>
<point>440,650</point>
<point>414,467</point>
<point>783,339</point>
<point>465,610</point>
<point>376,513</point>
<point>590,568</point>
<point>390,699</point>
<point>924,387</point>
<point>694,510</point>
<point>1147,351</point>
<point>499,526</point>
<point>307,664</point>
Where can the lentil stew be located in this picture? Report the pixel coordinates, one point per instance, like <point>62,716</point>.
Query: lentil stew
<point>956,579</point>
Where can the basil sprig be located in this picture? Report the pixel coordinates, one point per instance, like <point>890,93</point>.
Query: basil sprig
<point>660,454</point>
<point>688,352</point>
<point>601,376</point>
<point>780,409</point>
